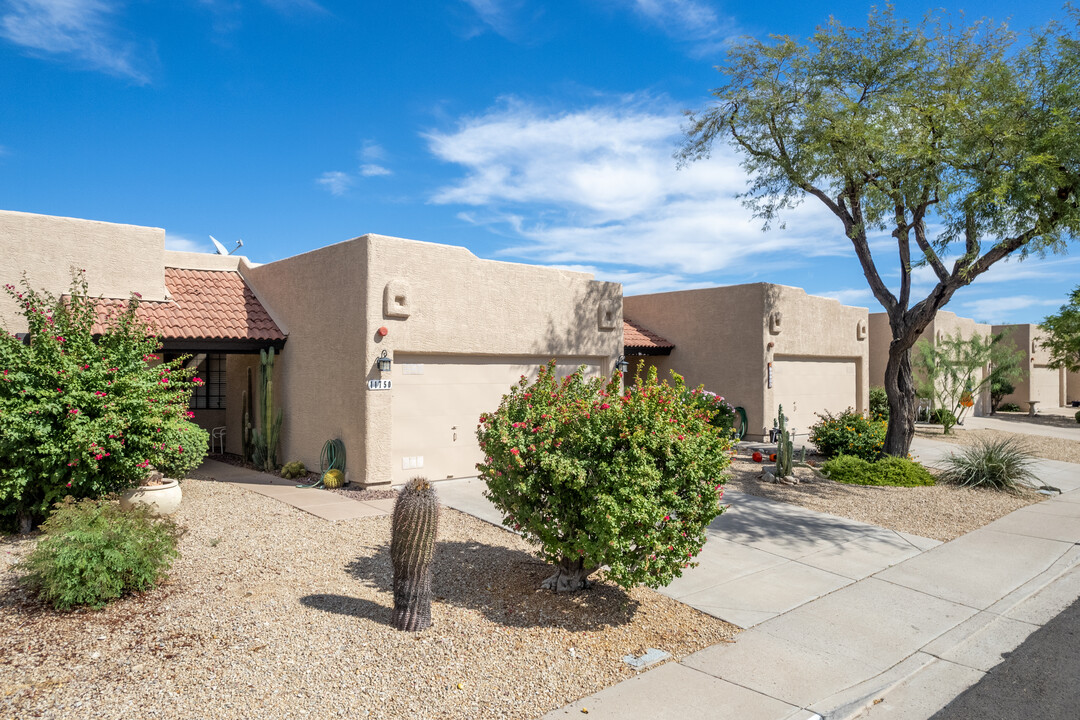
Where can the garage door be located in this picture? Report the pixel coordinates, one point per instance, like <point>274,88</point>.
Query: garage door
<point>437,401</point>
<point>1045,386</point>
<point>805,386</point>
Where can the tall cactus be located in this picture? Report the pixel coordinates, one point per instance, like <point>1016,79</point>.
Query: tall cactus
<point>412,545</point>
<point>264,452</point>
<point>784,447</point>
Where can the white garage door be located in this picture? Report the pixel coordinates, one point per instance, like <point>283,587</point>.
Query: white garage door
<point>437,402</point>
<point>1045,386</point>
<point>805,386</point>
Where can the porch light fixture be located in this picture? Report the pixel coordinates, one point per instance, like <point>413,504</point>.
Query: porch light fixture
<point>622,365</point>
<point>384,362</point>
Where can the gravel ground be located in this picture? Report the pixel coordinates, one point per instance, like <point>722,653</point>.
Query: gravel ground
<point>1051,448</point>
<point>941,512</point>
<point>274,613</point>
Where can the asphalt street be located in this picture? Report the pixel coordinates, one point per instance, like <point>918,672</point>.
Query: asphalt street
<point>1040,680</point>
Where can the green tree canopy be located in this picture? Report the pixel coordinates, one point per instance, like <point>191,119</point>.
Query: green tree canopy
<point>1064,330</point>
<point>963,143</point>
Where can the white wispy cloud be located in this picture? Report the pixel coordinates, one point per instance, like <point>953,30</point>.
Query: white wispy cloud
<point>335,182</point>
<point>81,30</point>
<point>184,243</point>
<point>373,170</point>
<point>859,297</point>
<point>693,22</point>
<point>372,151</point>
<point>599,187</point>
<point>996,309</point>
<point>497,14</point>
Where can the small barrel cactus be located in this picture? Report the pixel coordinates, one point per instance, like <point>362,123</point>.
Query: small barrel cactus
<point>293,470</point>
<point>412,545</point>
<point>333,479</point>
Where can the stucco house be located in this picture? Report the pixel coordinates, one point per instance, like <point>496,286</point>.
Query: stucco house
<point>944,324</point>
<point>1045,385</point>
<point>760,346</point>
<point>457,330</point>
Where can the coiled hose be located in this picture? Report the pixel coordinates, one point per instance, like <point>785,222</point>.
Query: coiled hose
<point>332,457</point>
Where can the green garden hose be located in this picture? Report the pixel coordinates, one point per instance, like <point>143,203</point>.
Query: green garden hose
<point>742,416</point>
<point>331,458</point>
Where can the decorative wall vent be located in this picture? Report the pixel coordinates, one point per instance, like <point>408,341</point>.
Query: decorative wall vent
<point>607,316</point>
<point>860,330</point>
<point>775,318</point>
<point>397,299</point>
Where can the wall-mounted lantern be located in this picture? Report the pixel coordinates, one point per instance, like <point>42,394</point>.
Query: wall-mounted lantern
<point>384,362</point>
<point>622,364</point>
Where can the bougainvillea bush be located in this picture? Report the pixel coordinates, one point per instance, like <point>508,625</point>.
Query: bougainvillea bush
<point>723,414</point>
<point>82,416</point>
<point>601,476</point>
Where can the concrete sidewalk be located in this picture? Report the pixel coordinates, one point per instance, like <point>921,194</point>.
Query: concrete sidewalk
<point>841,613</point>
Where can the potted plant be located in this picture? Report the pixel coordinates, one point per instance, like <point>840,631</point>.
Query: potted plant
<point>161,494</point>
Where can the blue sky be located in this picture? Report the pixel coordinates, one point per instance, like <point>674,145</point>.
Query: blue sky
<point>525,131</point>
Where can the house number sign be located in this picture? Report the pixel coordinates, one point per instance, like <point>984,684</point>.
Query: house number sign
<point>380,384</point>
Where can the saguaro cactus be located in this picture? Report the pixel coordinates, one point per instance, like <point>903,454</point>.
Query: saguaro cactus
<point>264,452</point>
<point>784,447</point>
<point>412,545</point>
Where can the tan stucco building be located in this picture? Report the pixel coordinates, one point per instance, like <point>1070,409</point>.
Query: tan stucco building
<point>945,324</point>
<point>760,346</point>
<point>457,329</point>
<point>1043,384</point>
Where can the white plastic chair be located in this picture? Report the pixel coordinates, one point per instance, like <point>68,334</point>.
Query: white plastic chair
<point>217,438</point>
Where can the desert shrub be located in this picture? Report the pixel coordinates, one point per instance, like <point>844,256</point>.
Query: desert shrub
<point>93,552</point>
<point>879,404</point>
<point>86,416</point>
<point>943,417</point>
<point>1077,416</point>
<point>1009,407</point>
<point>999,464</point>
<point>848,433</point>
<point>720,411</point>
<point>888,470</point>
<point>601,476</point>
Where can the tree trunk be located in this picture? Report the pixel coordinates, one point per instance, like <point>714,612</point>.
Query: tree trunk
<point>900,389</point>
<point>570,576</point>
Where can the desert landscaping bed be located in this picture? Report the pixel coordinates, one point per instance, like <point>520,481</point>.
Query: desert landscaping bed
<point>1050,448</point>
<point>274,613</point>
<point>942,512</point>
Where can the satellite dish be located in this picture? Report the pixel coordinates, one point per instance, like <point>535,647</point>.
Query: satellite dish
<point>220,248</point>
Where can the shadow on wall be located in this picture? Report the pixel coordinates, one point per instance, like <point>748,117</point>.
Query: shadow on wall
<point>497,581</point>
<point>587,332</point>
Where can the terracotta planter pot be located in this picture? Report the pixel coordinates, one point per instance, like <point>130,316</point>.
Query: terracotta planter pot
<point>161,499</point>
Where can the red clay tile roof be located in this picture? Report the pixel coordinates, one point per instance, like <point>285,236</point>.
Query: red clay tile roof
<point>206,304</point>
<point>636,337</point>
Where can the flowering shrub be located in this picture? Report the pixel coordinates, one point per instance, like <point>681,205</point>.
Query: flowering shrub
<point>723,414</point>
<point>848,433</point>
<point>601,476</point>
<point>82,417</point>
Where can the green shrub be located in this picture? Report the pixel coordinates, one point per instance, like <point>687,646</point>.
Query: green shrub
<point>879,404</point>
<point>601,476</point>
<point>998,464</point>
<point>94,552</point>
<point>1009,407</point>
<point>943,417</point>
<point>86,416</point>
<point>848,433</point>
<point>1077,416</point>
<point>888,470</point>
<point>722,414</point>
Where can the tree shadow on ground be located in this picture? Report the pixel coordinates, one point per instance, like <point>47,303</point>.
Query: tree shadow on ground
<point>1062,421</point>
<point>503,584</point>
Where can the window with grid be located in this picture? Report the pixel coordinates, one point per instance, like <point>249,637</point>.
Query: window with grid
<point>211,394</point>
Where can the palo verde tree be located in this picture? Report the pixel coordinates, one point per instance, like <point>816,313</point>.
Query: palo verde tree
<point>1064,334</point>
<point>962,143</point>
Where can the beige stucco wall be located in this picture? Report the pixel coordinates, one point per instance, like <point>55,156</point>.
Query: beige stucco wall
<point>1072,387</point>
<point>726,337</point>
<point>945,323</point>
<point>118,259</point>
<point>1043,384</point>
<point>201,261</point>
<point>442,300</point>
